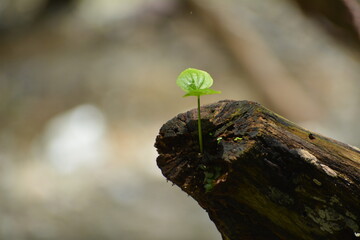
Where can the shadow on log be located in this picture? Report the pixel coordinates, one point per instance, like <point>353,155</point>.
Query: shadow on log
<point>261,176</point>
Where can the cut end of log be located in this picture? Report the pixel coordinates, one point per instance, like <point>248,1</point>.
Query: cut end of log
<point>261,176</point>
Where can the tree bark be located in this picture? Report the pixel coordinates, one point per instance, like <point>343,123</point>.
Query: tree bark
<point>261,177</point>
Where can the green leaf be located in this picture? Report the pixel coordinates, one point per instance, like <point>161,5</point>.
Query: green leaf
<point>201,92</point>
<point>193,80</point>
<point>208,187</point>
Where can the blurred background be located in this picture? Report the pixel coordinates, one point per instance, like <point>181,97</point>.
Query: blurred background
<point>85,86</point>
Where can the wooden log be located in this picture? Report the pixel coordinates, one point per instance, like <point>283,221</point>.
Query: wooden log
<point>261,176</point>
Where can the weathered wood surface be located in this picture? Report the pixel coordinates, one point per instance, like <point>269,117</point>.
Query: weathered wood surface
<point>266,178</point>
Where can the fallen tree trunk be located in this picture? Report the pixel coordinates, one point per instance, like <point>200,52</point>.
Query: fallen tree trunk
<point>261,177</point>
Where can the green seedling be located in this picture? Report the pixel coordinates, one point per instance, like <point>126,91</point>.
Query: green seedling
<point>219,139</point>
<point>237,139</point>
<point>210,177</point>
<point>196,83</point>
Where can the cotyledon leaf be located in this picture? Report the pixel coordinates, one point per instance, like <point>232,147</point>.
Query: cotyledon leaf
<point>195,82</point>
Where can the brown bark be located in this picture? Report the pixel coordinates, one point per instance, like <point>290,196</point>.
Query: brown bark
<point>261,176</point>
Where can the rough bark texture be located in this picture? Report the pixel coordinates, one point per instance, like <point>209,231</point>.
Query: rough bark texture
<point>261,176</point>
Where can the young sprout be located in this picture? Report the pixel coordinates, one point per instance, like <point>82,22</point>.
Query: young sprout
<point>196,83</point>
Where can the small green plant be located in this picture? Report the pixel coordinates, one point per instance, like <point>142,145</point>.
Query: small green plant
<point>196,82</point>
<point>211,174</point>
<point>210,178</point>
<point>237,139</point>
<point>219,139</point>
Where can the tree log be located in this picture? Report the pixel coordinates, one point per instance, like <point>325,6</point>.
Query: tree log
<point>261,177</point>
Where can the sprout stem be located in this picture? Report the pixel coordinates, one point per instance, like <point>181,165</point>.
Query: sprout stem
<point>199,126</point>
